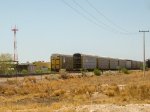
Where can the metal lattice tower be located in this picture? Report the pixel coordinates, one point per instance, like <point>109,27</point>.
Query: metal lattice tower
<point>15,43</point>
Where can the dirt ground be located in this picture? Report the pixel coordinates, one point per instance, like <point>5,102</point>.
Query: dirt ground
<point>108,108</point>
<point>110,92</point>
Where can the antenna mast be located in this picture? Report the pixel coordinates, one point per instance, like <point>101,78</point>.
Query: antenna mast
<point>15,43</point>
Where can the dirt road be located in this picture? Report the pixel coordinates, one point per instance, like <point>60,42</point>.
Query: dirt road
<point>109,108</point>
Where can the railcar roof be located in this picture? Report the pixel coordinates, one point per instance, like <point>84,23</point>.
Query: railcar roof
<point>86,55</point>
<point>53,55</point>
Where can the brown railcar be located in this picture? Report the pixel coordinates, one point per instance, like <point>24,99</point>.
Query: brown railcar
<point>81,61</point>
<point>60,61</point>
<point>103,63</point>
<point>122,63</point>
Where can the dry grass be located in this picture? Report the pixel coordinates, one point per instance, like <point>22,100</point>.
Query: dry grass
<point>53,92</point>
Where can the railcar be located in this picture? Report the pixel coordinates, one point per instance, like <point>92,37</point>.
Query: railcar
<point>134,65</point>
<point>103,63</point>
<point>139,64</point>
<point>61,61</point>
<point>148,63</point>
<point>128,64</point>
<point>81,61</point>
<point>114,63</point>
<point>122,63</point>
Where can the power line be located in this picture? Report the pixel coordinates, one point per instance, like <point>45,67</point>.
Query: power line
<point>100,13</point>
<point>125,32</point>
<point>91,15</point>
<point>83,15</point>
<point>95,21</point>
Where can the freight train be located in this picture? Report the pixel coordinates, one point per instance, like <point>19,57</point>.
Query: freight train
<point>79,61</point>
<point>148,63</point>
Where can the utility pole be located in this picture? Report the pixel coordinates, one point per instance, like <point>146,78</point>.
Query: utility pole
<point>144,65</point>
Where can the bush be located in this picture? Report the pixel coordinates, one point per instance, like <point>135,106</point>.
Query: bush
<point>97,72</point>
<point>125,71</point>
<point>84,72</point>
<point>24,71</point>
<point>63,73</point>
<point>30,79</point>
<point>10,72</point>
<point>39,71</point>
<point>119,68</point>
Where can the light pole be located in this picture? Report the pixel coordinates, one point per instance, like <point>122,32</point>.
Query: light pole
<point>144,51</point>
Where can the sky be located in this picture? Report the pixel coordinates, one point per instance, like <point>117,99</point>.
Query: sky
<point>108,28</point>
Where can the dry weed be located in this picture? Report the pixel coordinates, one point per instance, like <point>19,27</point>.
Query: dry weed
<point>76,91</point>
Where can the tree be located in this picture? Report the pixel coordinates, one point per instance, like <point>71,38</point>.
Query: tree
<point>5,63</point>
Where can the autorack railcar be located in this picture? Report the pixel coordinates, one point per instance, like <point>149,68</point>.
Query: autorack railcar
<point>114,63</point>
<point>103,63</point>
<point>134,64</point>
<point>122,63</point>
<point>128,64</point>
<point>139,65</point>
<point>81,61</point>
<point>148,63</point>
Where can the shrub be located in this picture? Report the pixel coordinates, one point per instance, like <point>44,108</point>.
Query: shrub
<point>38,71</point>
<point>140,91</point>
<point>24,71</point>
<point>111,90</point>
<point>84,72</point>
<point>97,72</point>
<point>30,79</point>
<point>58,92</point>
<point>119,69</point>
<point>125,71</point>
<point>47,77</point>
<point>10,72</point>
<point>63,73</point>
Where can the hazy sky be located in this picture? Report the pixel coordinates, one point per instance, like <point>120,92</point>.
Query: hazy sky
<point>96,27</point>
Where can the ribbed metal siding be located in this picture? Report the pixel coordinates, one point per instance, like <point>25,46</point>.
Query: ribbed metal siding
<point>114,64</point>
<point>134,64</point>
<point>89,62</point>
<point>103,63</point>
<point>139,65</point>
<point>122,63</point>
<point>128,64</point>
<point>67,62</point>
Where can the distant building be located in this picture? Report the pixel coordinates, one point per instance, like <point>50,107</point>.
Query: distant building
<point>26,66</point>
<point>41,65</point>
